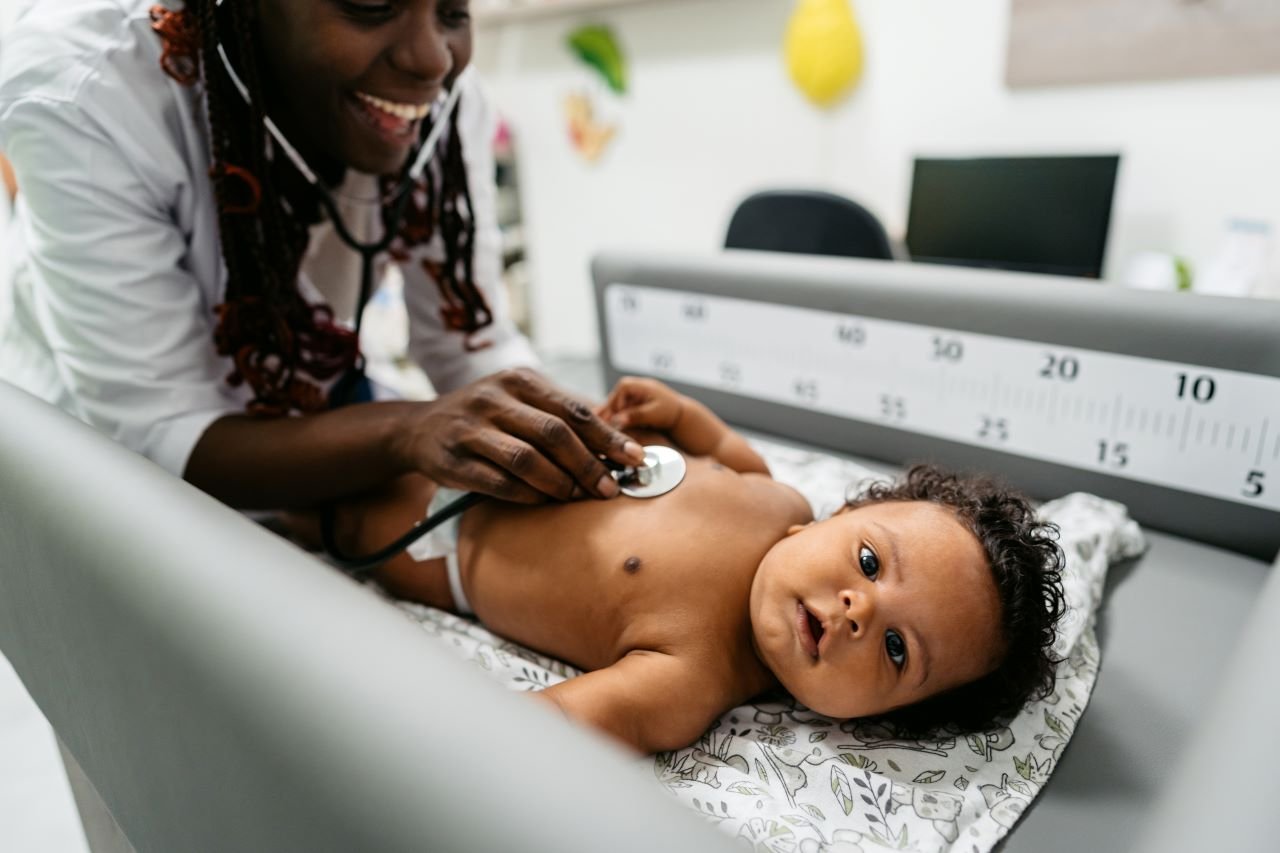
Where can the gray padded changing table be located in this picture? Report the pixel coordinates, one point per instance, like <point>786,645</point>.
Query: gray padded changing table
<point>217,691</point>
<point>1172,620</point>
<point>1159,676</point>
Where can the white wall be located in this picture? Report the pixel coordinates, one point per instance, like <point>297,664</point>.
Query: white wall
<point>712,116</point>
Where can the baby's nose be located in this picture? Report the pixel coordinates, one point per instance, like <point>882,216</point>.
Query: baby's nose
<point>858,609</point>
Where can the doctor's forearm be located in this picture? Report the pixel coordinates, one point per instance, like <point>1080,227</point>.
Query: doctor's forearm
<point>257,463</point>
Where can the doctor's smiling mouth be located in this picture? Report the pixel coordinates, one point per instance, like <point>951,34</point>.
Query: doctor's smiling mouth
<point>353,80</point>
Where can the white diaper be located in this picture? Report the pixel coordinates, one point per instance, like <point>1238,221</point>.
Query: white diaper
<point>443,542</point>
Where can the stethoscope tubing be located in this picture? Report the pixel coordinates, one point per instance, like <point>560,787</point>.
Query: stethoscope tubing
<point>363,564</point>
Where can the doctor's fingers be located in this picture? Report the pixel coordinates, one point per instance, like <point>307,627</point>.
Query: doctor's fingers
<point>538,477</point>
<point>476,474</point>
<point>536,391</point>
<point>555,444</point>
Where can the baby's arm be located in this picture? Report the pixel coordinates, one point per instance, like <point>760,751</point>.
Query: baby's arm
<point>651,701</point>
<point>648,403</point>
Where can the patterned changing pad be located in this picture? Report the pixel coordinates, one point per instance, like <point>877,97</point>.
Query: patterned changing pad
<point>785,780</point>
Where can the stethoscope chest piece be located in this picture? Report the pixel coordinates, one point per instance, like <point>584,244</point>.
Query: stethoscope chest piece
<point>664,469</point>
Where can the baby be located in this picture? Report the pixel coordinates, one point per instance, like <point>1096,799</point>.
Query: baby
<point>935,598</point>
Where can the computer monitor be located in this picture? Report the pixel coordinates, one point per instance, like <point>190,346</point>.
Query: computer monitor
<point>1033,214</point>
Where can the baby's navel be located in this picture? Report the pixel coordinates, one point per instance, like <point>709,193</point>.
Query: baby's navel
<point>632,565</point>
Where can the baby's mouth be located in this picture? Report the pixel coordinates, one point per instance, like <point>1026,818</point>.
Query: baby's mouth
<point>810,629</point>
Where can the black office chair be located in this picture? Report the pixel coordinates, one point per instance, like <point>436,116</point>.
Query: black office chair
<point>808,222</point>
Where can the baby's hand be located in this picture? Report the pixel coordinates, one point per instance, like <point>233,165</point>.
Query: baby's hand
<point>637,402</point>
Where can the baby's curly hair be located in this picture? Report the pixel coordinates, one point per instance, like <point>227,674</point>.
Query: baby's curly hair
<point>1026,565</point>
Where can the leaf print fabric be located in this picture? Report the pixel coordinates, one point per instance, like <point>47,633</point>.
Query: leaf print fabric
<point>783,779</point>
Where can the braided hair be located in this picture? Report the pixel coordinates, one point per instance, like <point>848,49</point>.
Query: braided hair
<point>280,344</point>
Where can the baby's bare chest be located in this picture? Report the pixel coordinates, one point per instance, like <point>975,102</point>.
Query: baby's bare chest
<point>588,582</point>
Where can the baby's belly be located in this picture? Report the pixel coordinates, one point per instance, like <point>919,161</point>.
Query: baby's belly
<point>556,578</point>
<point>590,581</point>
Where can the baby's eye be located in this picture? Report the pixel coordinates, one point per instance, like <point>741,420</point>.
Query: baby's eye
<point>896,648</point>
<point>868,562</point>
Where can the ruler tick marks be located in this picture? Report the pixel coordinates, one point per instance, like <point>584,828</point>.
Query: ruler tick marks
<point>1118,398</point>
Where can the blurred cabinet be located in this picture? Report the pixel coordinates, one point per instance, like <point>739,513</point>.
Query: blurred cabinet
<point>514,269</point>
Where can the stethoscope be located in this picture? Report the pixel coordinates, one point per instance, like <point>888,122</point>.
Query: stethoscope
<point>663,468</point>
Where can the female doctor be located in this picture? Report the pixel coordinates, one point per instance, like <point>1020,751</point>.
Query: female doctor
<point>175,273</point>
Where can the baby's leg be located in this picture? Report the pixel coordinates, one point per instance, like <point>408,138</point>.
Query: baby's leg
<point>376,519</point>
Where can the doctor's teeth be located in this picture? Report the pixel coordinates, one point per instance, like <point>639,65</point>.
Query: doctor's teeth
<point>408,112</point>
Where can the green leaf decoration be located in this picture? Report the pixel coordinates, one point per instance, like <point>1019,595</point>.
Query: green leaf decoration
<point>814,737</point>
<point>842,789</point>
<point>929,777</point>
<point>747,789</point>
<point>1054,723</point>
<point>1023,767</point>
<point>814,810</point>
<point>596,46</point>
<point>894,766</point>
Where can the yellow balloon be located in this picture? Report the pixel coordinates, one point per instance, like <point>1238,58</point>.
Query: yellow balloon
<point>824,49</point>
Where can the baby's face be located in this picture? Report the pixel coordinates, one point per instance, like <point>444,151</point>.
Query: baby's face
<point>876,608</point>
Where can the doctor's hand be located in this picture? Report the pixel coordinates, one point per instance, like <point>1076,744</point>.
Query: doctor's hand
<point>518,437</point>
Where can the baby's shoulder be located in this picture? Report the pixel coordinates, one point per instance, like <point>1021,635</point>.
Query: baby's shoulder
<point>786,501</point>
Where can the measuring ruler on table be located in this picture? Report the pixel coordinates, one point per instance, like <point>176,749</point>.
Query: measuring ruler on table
<point>1202,430</point>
